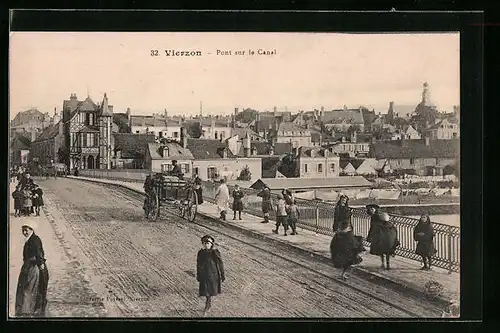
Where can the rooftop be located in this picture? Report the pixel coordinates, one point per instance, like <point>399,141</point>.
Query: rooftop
<point>208,149</point>
<point>397,149</point>
<point>352,116</point>
<point>175,151</point>
<point>132,145</point>
<point>48,133</point>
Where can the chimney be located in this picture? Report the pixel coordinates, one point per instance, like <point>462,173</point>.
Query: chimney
<point>427,140</point>
<point>275,111</point>
<point>73,96</point>
<point>128,116</point>
<point>183,138</point>
<point>295,151</point>
<point>165,113</point>
<point>110,108</point>
<point>345,107</point>
<point>246,145</point>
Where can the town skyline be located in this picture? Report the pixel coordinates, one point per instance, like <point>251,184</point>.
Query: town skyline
<point>98,63</point>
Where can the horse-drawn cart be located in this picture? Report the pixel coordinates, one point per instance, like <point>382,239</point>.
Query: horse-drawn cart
<point>176,195</point>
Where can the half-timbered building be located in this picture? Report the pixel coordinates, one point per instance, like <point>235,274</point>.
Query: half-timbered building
<point>88,133</point>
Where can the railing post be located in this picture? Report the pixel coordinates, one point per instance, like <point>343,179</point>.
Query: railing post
<point>450,266</point>
<point>317,218</point>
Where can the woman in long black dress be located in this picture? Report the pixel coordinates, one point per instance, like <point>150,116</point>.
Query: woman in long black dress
<point>382,235</point>
<point>31,294</point>
<point>209,271</point>
<point>424,236</point>
<point>344,247</point>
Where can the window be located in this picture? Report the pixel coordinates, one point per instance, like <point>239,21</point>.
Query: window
<point>437,160</point>
<point>222,135</point>
<point>166,167</point>
<point>455,135</point>
<point>176,134</point>
<point>137,132</point>
<point>211,173</point>
<point>91,119</point>
<point>216,135</point>
<point>332,167</point>
<point>161,134</point>
<point>185,168</point>
<point>196,171</point>
<point>305,168</point>
<point>412,161</point>
<point>320,167</point>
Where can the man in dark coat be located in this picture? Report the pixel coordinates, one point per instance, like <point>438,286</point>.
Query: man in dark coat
<point>267,204</point>
<point>209,271</point>
<point>237,201</point>
<point>31,294</point>
<point>382,235</point>
<point>176,170</point>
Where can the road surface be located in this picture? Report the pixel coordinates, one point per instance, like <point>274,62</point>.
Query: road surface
<point>140,268</point>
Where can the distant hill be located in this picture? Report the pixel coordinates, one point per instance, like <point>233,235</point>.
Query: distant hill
<point>246,115</point>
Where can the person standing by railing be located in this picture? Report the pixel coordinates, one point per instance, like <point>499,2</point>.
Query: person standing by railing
<point>237,201</point>
<point>383,235</point>
<point>288,196</point>
<point>267,204</point>
<point>424,236</point>
<point>281,216</point>
<point>293,216</point>
<point>222,198</point>
<point>198,189</point>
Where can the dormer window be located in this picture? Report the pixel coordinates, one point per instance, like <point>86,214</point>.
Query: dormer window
<point>254,151</point>
<point>165,151</point>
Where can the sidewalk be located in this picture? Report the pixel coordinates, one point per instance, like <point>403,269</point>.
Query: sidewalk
<point>404,274</point>
<point>68,284</point>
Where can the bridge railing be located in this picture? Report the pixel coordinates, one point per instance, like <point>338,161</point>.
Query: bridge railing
<point>318,217</point>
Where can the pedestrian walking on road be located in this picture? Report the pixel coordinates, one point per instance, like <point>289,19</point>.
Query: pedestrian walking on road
<point>237,201</point>
<point>382,235</point>
<point>209,271</point>
<point>281,216</point>
<point>344,247</point>
<point>37,199</point>
<point>222,198</point>
<point>31,294</point>
<point>424,236</point>
<point>267,203</point>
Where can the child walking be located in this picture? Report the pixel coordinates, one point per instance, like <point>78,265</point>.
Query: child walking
<point>281,217</point>
<point>293,216</point>
<point>209,271</point>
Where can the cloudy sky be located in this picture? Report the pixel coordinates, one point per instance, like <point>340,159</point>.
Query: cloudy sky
<point>309,70</point>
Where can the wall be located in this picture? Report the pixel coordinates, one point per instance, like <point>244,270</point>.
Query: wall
<point>230,168</point>
<point>419,164</point>
<point>312,167</point>
<point>297,141</point>
<point>156,166</point>
<point>209,132</point>
<point>352,148</point>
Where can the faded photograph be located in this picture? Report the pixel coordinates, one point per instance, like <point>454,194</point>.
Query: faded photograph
<point>220,175</point>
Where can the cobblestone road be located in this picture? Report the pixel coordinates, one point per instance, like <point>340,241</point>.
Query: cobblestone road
<point>139,268</point>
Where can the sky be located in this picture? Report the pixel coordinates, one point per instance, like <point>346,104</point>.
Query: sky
<point>309,70</point>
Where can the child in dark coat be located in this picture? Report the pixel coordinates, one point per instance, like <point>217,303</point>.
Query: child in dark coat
<point>237,201</point>
<point>18,201</point>
<point>209,271</point>
<point>424,236</point>
<point>37,199</point>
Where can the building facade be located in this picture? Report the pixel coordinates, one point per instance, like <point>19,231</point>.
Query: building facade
<point>288,132</point>
<point>87,128</point>
<point>447,128</point>
<point>317,162</point>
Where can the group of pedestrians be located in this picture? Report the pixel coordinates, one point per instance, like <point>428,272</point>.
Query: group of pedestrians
<point>28,196</point>
<point>286,210</point>
<point>31,292</point>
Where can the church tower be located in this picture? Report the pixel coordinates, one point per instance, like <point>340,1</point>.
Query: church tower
<point>105,132</point>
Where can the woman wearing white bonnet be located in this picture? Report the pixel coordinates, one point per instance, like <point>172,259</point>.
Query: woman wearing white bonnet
<point>31,294</point>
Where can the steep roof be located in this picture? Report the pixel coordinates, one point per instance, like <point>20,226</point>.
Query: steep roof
<point>106,110</point>
<point>352,116</point>
<point>149,121</point>
<point>20,142</point>
<point>451,120</point>
<point>242,132</point>
<point>290,126</point>
<point>175,151</point>
<point>306,183</point>
<point>48,133</point>
<point>403,111</point>
<point>263,148</point>
<point>133,145</point>
<point>395,149</point>
<point>208,149</point>
<point>318,152</point>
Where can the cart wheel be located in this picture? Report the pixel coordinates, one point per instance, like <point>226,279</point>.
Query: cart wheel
<point>154,207</point>
<point>192,206</point>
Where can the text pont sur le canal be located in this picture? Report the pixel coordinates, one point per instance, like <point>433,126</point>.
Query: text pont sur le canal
<point>178,53</point>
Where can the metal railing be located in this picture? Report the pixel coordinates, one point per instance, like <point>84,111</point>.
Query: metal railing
<point>318,217</point>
